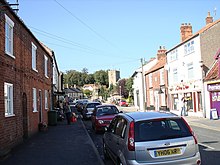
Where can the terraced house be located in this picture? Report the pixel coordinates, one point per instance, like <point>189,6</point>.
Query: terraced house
<point>25,80</point>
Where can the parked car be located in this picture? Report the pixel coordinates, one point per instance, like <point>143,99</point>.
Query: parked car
<point>88,109</point>
<point>150,138</point>
<point>102,116</point>
<point>123,103</point>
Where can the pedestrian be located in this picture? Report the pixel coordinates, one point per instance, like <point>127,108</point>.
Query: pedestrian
<point>67,110</point>
<point>183,107</point>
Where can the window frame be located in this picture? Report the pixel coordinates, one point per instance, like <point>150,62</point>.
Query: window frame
<point>190,70</point>
<point>46,66</point>
<point>46,99</point>
<point>9,44</point>
<point>34,56</point>
<point>34,97</point>
<point>9,100</point>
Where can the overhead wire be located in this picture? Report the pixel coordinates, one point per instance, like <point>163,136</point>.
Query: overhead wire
<point>89,27</point>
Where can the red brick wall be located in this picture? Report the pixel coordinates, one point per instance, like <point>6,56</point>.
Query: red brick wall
<point>18,71</point>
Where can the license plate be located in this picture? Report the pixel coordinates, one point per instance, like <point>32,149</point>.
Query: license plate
<point>167,152</point>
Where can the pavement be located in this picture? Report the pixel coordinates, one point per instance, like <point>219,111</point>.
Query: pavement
<point>71,144</point>
<point>60,145</point>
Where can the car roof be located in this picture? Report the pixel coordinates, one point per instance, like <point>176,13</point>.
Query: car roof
<point>138,116</point>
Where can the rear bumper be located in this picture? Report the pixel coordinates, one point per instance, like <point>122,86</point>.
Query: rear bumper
<point>188,161</point>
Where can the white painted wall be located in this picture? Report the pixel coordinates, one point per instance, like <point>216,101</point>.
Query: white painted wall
<point>137,84</point>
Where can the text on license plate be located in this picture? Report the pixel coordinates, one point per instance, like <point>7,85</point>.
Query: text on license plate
<point>166,152</point>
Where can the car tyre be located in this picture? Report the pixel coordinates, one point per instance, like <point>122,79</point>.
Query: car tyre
<point>105,152</point>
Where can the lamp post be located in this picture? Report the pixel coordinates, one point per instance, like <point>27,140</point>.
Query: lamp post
<point>142,78</point>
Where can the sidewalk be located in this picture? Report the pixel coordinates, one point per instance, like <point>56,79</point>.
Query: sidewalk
<point>60,145</point>
<point>203,122</point>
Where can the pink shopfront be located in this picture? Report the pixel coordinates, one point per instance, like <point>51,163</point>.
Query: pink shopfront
<point>214,91</point>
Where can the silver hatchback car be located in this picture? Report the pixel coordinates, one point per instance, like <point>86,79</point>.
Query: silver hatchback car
<point>150,138</point>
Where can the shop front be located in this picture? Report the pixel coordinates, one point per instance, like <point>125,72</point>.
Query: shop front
<point>191,92</point>
<point>214,92</point>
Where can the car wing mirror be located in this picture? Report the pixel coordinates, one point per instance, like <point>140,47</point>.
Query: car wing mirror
<point>120,111</point>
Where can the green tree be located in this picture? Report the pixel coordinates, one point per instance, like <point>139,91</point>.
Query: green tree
<point>101,77</point>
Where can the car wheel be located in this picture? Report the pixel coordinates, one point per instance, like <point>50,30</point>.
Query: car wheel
<point>105,152</point>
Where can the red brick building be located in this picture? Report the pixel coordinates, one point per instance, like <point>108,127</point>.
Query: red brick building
<point>156,83</point>
<point>25,80</point>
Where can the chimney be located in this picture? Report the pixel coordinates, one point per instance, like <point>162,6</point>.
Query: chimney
<point>209,19</point>
<point>186,31</point>
<point>161,52</point>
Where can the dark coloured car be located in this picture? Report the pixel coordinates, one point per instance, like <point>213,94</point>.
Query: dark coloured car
<point>102,116</point>
<point>88,109</point>
<point>151,138</point>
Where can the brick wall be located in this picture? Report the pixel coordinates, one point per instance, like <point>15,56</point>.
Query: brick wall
<point>18,71</point>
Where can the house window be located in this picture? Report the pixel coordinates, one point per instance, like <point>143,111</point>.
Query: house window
<point>8,92</point>
<point>174,55</point>
<point>150,80</point>
<point>190,71</point>
<point>9,25</point>
<point>151,97</point>
<point>45,66</point>
<point>34,100</point>
<point>46,99</point>
<point>175,75</point>
<point>34,57</point>
<point>162,82</point>
<point>189,47</point>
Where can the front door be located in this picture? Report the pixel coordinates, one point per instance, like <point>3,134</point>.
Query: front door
<point>40,106</point>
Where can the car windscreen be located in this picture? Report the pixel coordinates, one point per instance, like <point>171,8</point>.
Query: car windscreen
<point>92,105</point>
<point>101,111</point>
<point>161,129</point>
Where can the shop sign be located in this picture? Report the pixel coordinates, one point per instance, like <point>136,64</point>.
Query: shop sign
<point>213,87</point>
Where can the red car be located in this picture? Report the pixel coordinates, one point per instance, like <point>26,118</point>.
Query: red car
<point>123,103</point>
<point>102,116</point>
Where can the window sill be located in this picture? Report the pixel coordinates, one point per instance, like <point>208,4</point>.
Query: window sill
<point>35,111</point>
<point>35,70</point>
<point>10,115</point>
<point>10,55</point>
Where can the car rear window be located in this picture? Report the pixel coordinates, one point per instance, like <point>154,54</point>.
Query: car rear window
<point>160,129</point>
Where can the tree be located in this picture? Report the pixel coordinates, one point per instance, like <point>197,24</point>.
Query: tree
<point>101,77</point>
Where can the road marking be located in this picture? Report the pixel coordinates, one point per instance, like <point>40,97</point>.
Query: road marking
<point>205,145</point>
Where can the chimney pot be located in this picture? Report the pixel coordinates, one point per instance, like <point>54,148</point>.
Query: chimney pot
<point>209,19</point>
<point>185,31</point>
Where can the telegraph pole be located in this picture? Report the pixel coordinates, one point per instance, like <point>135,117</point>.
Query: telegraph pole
<point>142,77</point>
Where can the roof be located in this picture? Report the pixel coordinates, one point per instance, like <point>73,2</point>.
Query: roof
<point>160,64</point>
<point>208,26</point>
<point>213,72</point>
<point>149,115</point>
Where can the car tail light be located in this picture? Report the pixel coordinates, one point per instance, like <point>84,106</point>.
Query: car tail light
<point>131,144</point>
<point>198,162</point>
<point>191,131</point>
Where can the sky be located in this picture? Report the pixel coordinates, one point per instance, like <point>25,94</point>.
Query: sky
<point>111,34</point>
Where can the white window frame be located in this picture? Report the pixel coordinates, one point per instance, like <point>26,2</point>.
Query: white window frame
<point>34,56</point>
<point>46,66</point>
<point>34,100</point>
<point>190,71</point>
<point>162,82</point>
<point>150,80</point>
<point>151,97</point>
<point>9,25</point>
<point>8,94</point>
<point>175,75</point>
<point>46,99</point>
